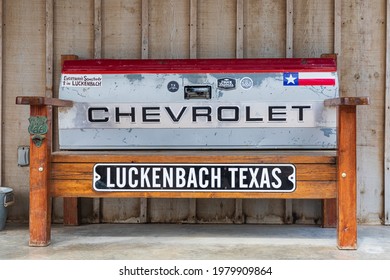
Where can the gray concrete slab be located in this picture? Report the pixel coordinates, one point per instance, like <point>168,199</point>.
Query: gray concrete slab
<point>193,242</point>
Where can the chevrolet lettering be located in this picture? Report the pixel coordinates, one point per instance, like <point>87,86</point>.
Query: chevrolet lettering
<point>199,116</point>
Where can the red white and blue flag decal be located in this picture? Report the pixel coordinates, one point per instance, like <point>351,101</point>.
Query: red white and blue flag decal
<point>309,79</point>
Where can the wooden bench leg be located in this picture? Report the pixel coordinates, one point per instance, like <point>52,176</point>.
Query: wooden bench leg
<point>329,213</point>
<point>346,200</point>
<point>71,211</point>
<point>40,201</point>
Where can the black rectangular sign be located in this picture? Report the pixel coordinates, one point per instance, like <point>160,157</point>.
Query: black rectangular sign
<point>194,177</point>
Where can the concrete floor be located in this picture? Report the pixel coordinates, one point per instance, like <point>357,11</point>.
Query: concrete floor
<point>193,242</point>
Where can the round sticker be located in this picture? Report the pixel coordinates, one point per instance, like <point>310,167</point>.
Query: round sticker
<point>246,83</point>
<point>173,86</point>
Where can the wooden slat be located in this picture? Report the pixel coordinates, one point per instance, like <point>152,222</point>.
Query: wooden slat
<point>289,28</point>
<point>288,209</point>
<point>49,47</point>
<point>238,215</point>
<point>97,50</point>
<point>347,101</point>
<point>216,29</point>
<point>145,29</point>
<point>83,171</point>
<point>121,27</point>
<point>305,190</point>
<point>387,122</point>
<point>97,53</point>
<point>313,27</point>
<point>193,28</point>
<point>193,54</point>
<point>363,31</point>
<point>337,28</point>
<point>264,21</point>
<point>169,30</point>
<point>40,100</point>
<point>144,55</point>
<point>198,156</point>
<point>240,29</point>
<point>1,88</point>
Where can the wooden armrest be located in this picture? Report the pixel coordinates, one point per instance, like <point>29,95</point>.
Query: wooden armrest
<point>348,101</point>
<point>40,100</point>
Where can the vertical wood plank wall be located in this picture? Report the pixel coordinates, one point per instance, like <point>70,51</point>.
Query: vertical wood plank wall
<point>387,122</point>
<point>363,72</point>
<point>1,92</point>
<point>35,33</point>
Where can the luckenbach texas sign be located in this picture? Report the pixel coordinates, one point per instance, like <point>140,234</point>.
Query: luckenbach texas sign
<point>193,177</point>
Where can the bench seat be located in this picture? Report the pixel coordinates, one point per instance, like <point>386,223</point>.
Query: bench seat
<point>71,171</point>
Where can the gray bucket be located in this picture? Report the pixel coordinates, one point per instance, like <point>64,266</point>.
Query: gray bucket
<point>6,200</point>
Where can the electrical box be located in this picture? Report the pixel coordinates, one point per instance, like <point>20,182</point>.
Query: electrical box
<point>23,155</point>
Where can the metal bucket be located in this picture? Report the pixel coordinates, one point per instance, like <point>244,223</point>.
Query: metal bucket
<point>6,200</point>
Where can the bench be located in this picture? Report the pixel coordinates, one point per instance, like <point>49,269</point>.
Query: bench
<point>326,172</point>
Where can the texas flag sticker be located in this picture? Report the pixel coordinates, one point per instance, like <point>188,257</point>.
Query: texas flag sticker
<point>309,79</point>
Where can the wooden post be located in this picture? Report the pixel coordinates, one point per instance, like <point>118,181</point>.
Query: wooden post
<point>346,169</point>
<point>40,129</point>
<point>329,213</point>
<point>346,177</point>
<point>40,202</point>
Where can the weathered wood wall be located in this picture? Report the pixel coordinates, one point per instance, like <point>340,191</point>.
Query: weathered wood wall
<point>35,33</point>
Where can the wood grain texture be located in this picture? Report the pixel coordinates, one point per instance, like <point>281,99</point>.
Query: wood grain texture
<point>74,171</point>
<point>264,28</point>
<point>347,101</point>
<point>122,29</point>
<point>354,29</point>
<point>40,100</point>
<point>197,156</point>
<point>71,209</point>
<point>387,122</point>
<point>49,47</point>
<point>305,190</point>
<point>313,27</point>
<point>1,88</point>
<point>346,178</point>
<point>363,72</point>
<point>40,206</point>
<point>169,29</point>
<point>83,171</point>
<point>216,29</point>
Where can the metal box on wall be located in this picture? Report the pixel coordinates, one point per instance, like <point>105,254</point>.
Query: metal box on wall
<point>198,104</point>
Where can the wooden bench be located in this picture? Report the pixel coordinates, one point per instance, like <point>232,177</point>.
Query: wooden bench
<point>329,175</point>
